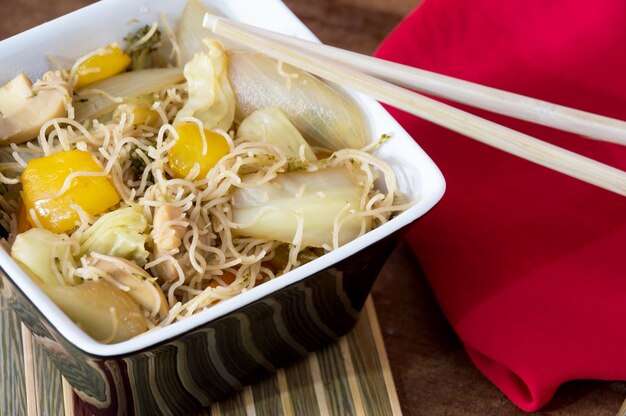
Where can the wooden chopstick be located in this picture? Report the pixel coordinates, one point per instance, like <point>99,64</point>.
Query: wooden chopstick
<point>484,131</point>
<point>518,106</point>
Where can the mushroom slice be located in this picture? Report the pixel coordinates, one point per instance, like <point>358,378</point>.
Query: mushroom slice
<point>23,112</point>
<point>141,286</point>
<point>18,89</point>
<point>167,234</point>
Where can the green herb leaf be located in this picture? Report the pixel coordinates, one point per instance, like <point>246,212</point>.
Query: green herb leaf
<point>140,55</point>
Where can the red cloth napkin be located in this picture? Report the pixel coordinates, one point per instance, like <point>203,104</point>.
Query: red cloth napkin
<point>527,264</point>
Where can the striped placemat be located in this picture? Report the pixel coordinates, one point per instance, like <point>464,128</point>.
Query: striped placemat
<point>350,377</point>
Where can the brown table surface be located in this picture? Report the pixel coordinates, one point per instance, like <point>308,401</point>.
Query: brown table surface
<point>433,374</point>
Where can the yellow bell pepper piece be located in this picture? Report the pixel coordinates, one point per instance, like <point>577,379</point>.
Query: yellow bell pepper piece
<point>145,115</point>
<point>142,113</point>
<point>101,66</point>
<point>187,151</point>
<point>44,177</point>
<point>22,219</point>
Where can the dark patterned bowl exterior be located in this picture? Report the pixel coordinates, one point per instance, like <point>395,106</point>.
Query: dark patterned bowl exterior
<point>191,371</point>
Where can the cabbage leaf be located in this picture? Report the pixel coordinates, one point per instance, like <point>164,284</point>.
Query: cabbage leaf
<point>41,253</point>
<point>211,98</point>
<point>271,125</point>
<point>271,211</point>
<point>119,233</point>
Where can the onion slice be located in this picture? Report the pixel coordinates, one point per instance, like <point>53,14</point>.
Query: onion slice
<point>190,32</point>
<point>325,116</point>
<point>96,99</point>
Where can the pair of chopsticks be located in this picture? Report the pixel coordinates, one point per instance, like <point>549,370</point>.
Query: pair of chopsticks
<point>378,78</point>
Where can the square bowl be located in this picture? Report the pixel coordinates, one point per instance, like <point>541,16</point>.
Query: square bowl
<point>191,363</point>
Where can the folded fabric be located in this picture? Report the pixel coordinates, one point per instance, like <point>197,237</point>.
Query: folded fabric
<point>527,264</point>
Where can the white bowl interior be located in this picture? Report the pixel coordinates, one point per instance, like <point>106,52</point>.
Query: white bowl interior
<point>108,21</point>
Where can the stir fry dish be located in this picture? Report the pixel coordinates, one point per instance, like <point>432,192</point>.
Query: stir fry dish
<point>156,177</point>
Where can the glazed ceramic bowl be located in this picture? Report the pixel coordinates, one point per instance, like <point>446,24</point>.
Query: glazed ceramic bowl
<point>190,364</point>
